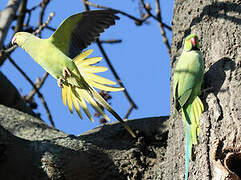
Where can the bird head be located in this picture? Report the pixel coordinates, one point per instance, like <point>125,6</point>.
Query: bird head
<point>20,37</point>
<point>191,43</point>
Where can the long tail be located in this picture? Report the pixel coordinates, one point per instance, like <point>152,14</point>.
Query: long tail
<point>79,95</point>
<point>191,115</point>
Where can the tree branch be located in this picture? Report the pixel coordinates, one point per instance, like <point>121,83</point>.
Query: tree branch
<point>138,21</point>
<point>115,74</point>
<point>159,19</point>
<point>38,85</point>
<point>36,89</point>
<point>6,18</point>
<point>111,67</point>
<point>163,33</point>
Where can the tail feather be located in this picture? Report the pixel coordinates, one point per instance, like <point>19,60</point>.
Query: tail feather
<point>76,105</point>
<point>83,89</point>
<point>191,114</point>
<point>90,61</point>
<point>99,79</point>
<point>69,98</point>
<point>104,87</point>
<point>188,149</point>
<point>93,69</point>
<point>93,103</point>
<point>64,92</point>
<point>82,103</point>
<point>101,101</point>
<point>82,55</point>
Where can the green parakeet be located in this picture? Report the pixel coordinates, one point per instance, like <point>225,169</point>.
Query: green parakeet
<point>187,81</point>
<point>60,55</point>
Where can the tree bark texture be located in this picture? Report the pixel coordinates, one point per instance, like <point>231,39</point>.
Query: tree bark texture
<point>6,18</point>
<point>10,96</point>
<point>29,149</point>
<point>218,155</point>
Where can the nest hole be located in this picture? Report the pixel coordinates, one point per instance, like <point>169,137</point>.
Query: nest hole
<point>233,163</point>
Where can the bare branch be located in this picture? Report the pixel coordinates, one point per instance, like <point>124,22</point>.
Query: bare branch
<point>39,94</point>
<point>154,17</point>
<point>38,85</point>
<point>111,41</point>
<point>21,16</point>
<point>5,53</point>
<point>138,21</point>
<point>6,18</point>
<point>110,65</point>
<point>115,73</point>
<point>44,4</point>
<point>159,19</point>
<point>129,111</point>
<point>163,33</point>
<point>40,28</point>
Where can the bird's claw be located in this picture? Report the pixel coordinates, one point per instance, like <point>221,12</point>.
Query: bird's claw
<point>60,82</point>
<point>66,73</point>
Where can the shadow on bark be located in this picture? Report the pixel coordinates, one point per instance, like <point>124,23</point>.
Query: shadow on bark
<point>33,150</point>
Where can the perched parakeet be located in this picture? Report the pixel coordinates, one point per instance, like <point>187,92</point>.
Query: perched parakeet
<point>187,82</point>
<point>60,55</point>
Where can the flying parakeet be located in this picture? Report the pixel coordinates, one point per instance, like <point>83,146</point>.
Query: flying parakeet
<point>60,55</point>
<point>187,82</point>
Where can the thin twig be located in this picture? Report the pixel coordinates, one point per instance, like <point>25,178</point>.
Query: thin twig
<point>34,7</point>
<point>129,111</point>
<point>154,17</point>
<point>8,51</point>
<point>33,85</point>
<point>159,19</point>
<point>50,28</point>
<point>115,73</point>
<point>44,4</point>
<point>138,21</point>
<point>111,67</point>
<point>111,41</point>
<point>40,28</point>
<point>21,16</point>
<point>86,5</point>
<point>38,85</point>
<point>163,33</point>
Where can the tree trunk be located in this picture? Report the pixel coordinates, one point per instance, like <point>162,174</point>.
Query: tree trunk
<point>29,149</point>
<point>217,156</point>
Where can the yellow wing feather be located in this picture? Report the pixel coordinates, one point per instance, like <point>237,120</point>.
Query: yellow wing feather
<point>103,87</point>
<point>89,61</point>
<point>78,95</point>
<point>76,105</point>
<point>82,56</point>
<point>99,79</point>
<point>64,92</point>
<point>69,98</point>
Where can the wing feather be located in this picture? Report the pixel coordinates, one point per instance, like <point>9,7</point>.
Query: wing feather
<point>77,31</point>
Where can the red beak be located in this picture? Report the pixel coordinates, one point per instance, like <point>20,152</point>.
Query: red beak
<point>194,41</point>
<point>13,40</point>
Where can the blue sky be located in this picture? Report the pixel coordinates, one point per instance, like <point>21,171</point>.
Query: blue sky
<point>141,61</point>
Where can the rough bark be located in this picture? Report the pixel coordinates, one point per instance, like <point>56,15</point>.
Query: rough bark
<point>217,156</point>
<point>29,149</point>
<point>6,18</point>
<point>10,96</point>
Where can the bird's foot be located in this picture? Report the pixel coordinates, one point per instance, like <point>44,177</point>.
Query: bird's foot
<point>66,73</point>
<point>60,82</point>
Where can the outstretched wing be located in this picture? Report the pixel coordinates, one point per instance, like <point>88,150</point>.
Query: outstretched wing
<point>77,31</point>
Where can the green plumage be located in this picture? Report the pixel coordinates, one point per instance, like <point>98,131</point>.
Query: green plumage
<point>187,81</point>
<point>75,75</point>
